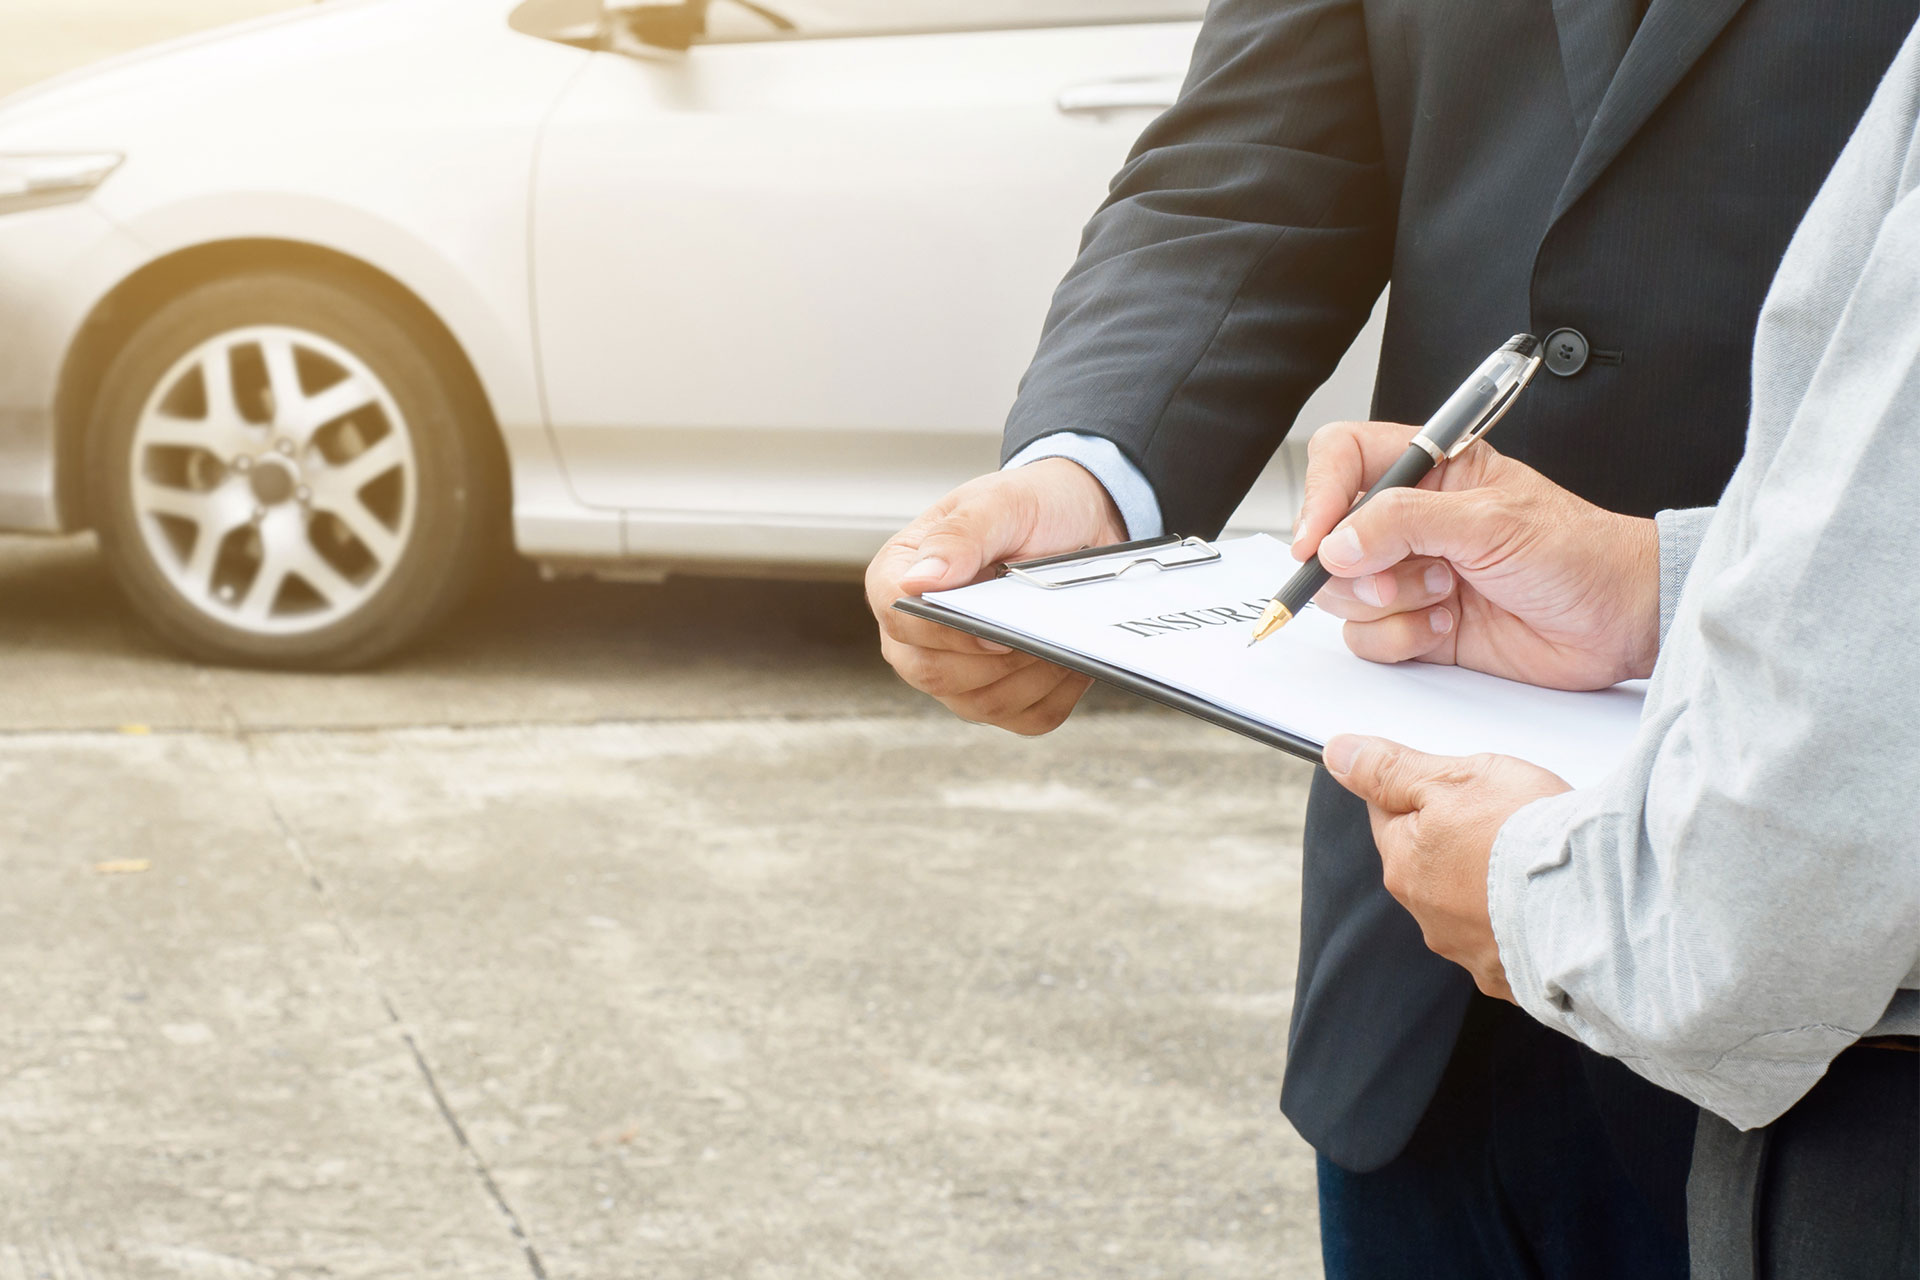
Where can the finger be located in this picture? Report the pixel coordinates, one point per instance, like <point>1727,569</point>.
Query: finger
<point>1402,637</point>
<point>1468,527</point>
<point>918,633</point>
<point>883,589</point>
<point>955,549</point>
<point>1343,459</point>
<point>944,673</point>
<point>1409,586</point>
<point>1006,702</point>
<point>1394,777</point>
<point>1051,711</point>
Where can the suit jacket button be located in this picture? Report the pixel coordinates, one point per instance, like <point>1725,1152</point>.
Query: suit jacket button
<point>1567,352</point>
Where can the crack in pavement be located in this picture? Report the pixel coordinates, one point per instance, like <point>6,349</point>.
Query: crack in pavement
<point>297,848</point>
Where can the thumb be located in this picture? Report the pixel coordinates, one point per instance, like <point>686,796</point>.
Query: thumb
<point>955,549</point>
<point>1384,774</point>
<point>1343,459</point>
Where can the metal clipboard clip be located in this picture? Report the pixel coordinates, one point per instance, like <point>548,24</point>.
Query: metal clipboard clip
<point>1106,564</point>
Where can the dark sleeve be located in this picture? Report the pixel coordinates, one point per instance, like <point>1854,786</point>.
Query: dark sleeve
<point>1239,252</point>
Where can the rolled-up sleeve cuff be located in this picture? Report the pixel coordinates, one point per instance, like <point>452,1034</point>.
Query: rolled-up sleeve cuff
<point>1532,841</point>
<point>1681,533</point>
<point>1124,483</point>
<point>1544,927</point>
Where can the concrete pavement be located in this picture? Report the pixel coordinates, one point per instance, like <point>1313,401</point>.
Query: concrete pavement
<point>612,936</point>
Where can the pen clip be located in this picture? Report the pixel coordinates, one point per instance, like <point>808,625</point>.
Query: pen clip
<point>1497,411</point>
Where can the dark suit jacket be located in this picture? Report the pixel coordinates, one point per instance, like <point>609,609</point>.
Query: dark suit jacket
<point>1510,165</point>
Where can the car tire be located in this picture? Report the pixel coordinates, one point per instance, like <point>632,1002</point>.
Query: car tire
<point>283,473</point>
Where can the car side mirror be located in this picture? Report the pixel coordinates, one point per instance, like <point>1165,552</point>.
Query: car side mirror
<point>670,26</point>
<point>575,22</point>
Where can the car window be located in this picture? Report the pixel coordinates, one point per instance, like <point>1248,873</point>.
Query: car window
<point>728,21</point>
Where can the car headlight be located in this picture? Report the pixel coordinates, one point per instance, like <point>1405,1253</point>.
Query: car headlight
<point>36,181</point>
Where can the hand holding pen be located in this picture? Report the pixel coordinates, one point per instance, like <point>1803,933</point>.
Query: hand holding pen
<point>1482,400</point>
<point>1495,568</point>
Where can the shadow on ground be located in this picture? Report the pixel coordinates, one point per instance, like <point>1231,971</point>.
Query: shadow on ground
<point>528,651</point>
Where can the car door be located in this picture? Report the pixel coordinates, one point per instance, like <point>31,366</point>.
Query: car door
<point>786,285</point>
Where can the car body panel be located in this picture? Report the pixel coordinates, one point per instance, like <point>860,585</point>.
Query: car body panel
<point>58,263</point>
<point>830,257</point>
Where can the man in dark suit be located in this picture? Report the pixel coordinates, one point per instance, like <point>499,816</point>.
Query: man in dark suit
<point>1618,176</point>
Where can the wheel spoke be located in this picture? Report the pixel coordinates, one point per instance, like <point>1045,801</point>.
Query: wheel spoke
<point>213,513</point>
<point>312,568</point>
<point>381,542</point>
<point>164,431</point>
<point>308,414</point>
<point>225,439</point>
<point>216,378</point>
<point>198,571</point>
<point>346,480</point>
<point>220,430</point>
<point>283,378</point>
<point>208,538</point>
<point>257,605</point>
<point>197,506</point>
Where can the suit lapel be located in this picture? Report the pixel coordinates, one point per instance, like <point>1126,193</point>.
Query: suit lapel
<point>1672,37</point>
<point>1594,37</point>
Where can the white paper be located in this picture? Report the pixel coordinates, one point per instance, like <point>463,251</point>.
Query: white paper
<point>1189,628</point>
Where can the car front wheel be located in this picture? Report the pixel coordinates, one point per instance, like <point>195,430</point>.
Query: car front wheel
<point>281,475</point>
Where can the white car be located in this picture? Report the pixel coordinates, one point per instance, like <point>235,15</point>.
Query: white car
<point>306,317</point>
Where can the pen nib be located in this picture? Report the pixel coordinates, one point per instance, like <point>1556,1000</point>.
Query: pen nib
<point>1275,617</point>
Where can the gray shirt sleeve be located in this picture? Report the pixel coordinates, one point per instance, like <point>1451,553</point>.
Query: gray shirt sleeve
<point>1740,900</point>
<point>1680,536</point>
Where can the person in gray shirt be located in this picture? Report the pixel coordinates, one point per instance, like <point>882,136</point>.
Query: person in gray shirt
<point>1735,912</point>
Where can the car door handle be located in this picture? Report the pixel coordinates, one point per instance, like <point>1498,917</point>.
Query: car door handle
<point>1145,93</point>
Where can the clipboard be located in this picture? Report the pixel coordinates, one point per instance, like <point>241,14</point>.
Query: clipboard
<point>1096,565</point>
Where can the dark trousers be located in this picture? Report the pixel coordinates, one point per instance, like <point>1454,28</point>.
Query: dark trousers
<point>1537,1160</point>
<point>1829,1191</point>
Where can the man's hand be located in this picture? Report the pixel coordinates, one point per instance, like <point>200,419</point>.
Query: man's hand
<point>1434,820</point>
<point>1044,508</point>
<point>1488,565</point>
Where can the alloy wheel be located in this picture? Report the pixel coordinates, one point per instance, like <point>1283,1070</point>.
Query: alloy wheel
<point>274,480</point>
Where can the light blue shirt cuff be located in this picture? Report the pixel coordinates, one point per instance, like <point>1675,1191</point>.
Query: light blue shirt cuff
<point>1102,458</point>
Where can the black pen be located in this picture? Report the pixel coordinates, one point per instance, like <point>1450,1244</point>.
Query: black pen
<point>1466,416</point>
